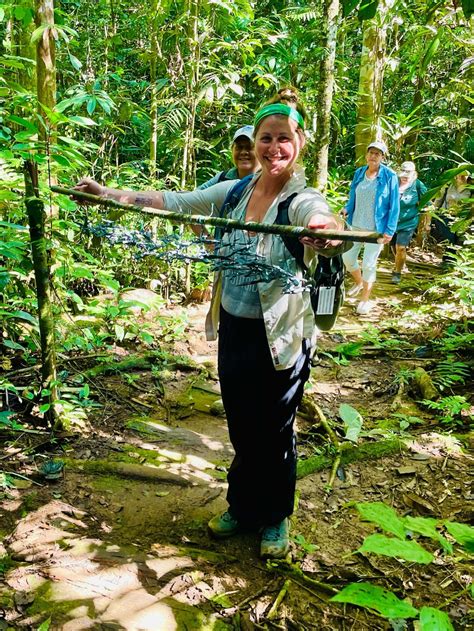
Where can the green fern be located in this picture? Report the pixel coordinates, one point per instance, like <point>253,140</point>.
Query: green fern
<point>449,372</point>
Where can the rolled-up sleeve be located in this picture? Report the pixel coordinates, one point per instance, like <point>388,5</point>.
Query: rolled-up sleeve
<point>198,202</point>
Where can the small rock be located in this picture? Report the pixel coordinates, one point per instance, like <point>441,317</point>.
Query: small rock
<point>406,470</point>
<point>23,599</point>
<point>217,408</point>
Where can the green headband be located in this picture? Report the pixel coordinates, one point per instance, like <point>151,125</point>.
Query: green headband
<point>279,108</point>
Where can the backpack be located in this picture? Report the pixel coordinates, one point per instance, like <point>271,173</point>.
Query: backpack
<point>327,279</point>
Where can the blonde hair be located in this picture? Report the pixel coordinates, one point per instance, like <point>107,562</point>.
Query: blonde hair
<point>287,95</point>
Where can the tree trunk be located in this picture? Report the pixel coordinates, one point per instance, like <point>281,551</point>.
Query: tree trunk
<point>154,53</point>
<point>188,178</point>
<point>36,218</point>
<point>370,93</point>
<point>326,87</point>
<point>46,64</point>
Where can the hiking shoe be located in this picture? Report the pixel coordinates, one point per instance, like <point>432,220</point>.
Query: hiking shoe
<point>354,290</point>
<point>396,277</point>
<point>223,525</point>
<point>275,542</point>
<point>364,307</point>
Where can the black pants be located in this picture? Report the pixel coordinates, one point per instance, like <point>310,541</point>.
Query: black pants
<point>260,405</point>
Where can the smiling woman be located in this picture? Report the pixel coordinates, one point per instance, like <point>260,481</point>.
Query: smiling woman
<point>266,336</point>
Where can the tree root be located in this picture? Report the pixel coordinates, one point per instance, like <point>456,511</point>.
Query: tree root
<point>130,470</point>
<point>353,453</point>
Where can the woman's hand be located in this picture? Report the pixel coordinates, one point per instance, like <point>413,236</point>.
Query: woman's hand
<point>322,222</point>
<point>88,185</point>
<point>386,238</point>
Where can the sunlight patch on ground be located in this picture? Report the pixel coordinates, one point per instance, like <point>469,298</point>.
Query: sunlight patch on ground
<point>436,445</point>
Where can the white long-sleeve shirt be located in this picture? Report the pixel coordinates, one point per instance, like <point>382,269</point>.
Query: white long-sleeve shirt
<point>288,317</point>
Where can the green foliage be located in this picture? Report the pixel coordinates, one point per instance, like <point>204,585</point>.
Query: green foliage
<point>451,409</point>
<point>449,372</point>
<point>432,619</point>
<point>389,546</point>
<point>377,599</point>
<point>352,421</point>
<point>463,534</point>
<point>382,515</point>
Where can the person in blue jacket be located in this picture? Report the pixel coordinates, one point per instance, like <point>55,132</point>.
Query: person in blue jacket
<point>374,204</point>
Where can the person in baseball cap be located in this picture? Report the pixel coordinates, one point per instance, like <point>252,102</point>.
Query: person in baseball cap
<point>243,157</point>
<point>380,145</point>
<point>411,191</point>
<point>373,205</point>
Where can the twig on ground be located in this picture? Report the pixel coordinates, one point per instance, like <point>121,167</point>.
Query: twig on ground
<point>278,600</point>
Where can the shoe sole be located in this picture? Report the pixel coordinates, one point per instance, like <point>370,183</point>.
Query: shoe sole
<point>220,535</point>
<point>279,555</point>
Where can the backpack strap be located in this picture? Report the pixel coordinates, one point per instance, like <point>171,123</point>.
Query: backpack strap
<point>294,247</point>
<point>222,177</point>
<point>230,202</point>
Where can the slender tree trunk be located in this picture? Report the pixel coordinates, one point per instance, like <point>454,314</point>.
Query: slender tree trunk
<point>370,93</point>
<point>46,64</point>
<point>154,53</point>
<point>326,88</point>
<point>189,167</point>
<point>36,219</point>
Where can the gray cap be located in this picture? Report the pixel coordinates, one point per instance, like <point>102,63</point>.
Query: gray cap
<point>407,168</point>
<point>380,145</point>
<point>246,130</point>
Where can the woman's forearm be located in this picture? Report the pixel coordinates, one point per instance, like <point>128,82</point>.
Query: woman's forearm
<point>150,199</point>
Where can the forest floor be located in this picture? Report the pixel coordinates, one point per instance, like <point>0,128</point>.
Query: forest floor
<point>119,541</point>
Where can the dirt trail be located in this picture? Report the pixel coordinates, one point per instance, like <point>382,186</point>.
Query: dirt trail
<point>120,541</point>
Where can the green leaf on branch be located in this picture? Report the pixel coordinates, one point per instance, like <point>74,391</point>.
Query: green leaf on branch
<point>384,516</point>
<point>390,547</point>
<point>377,599</point>
<point>352,420</point>
<point>463,534</point>
<point>432,619</point>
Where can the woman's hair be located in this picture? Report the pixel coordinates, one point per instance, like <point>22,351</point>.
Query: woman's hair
<point>286,96</point>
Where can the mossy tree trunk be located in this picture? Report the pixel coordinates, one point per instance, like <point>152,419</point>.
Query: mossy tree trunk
<point>370,92</point>
<point>326,88</point>
<point>36,219</point>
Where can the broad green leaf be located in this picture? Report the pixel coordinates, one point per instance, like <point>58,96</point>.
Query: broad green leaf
<point>377,599</point>
<point>432,619</point>
<point>19,12</point>
<point>467,7</point>
<point>60,159</point>
<point>119,332</point>
<point>91,105</point>
<point>368,9</point>
<point>426,526</point>
<point>348,6</point>
<point>76,64</point>
<point>390,547</point>
<point>38,33</point>
<point>44,626</point>
<point>45,407</point>
<point>384,516</point>
<point>20,315</point>
<point>352,420</point>
<point>2,14</point>
<point>13,345</point>
<point>463,534</point>
<point>82,120</point>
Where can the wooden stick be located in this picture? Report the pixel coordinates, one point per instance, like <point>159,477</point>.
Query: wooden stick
<point>230,224</point>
